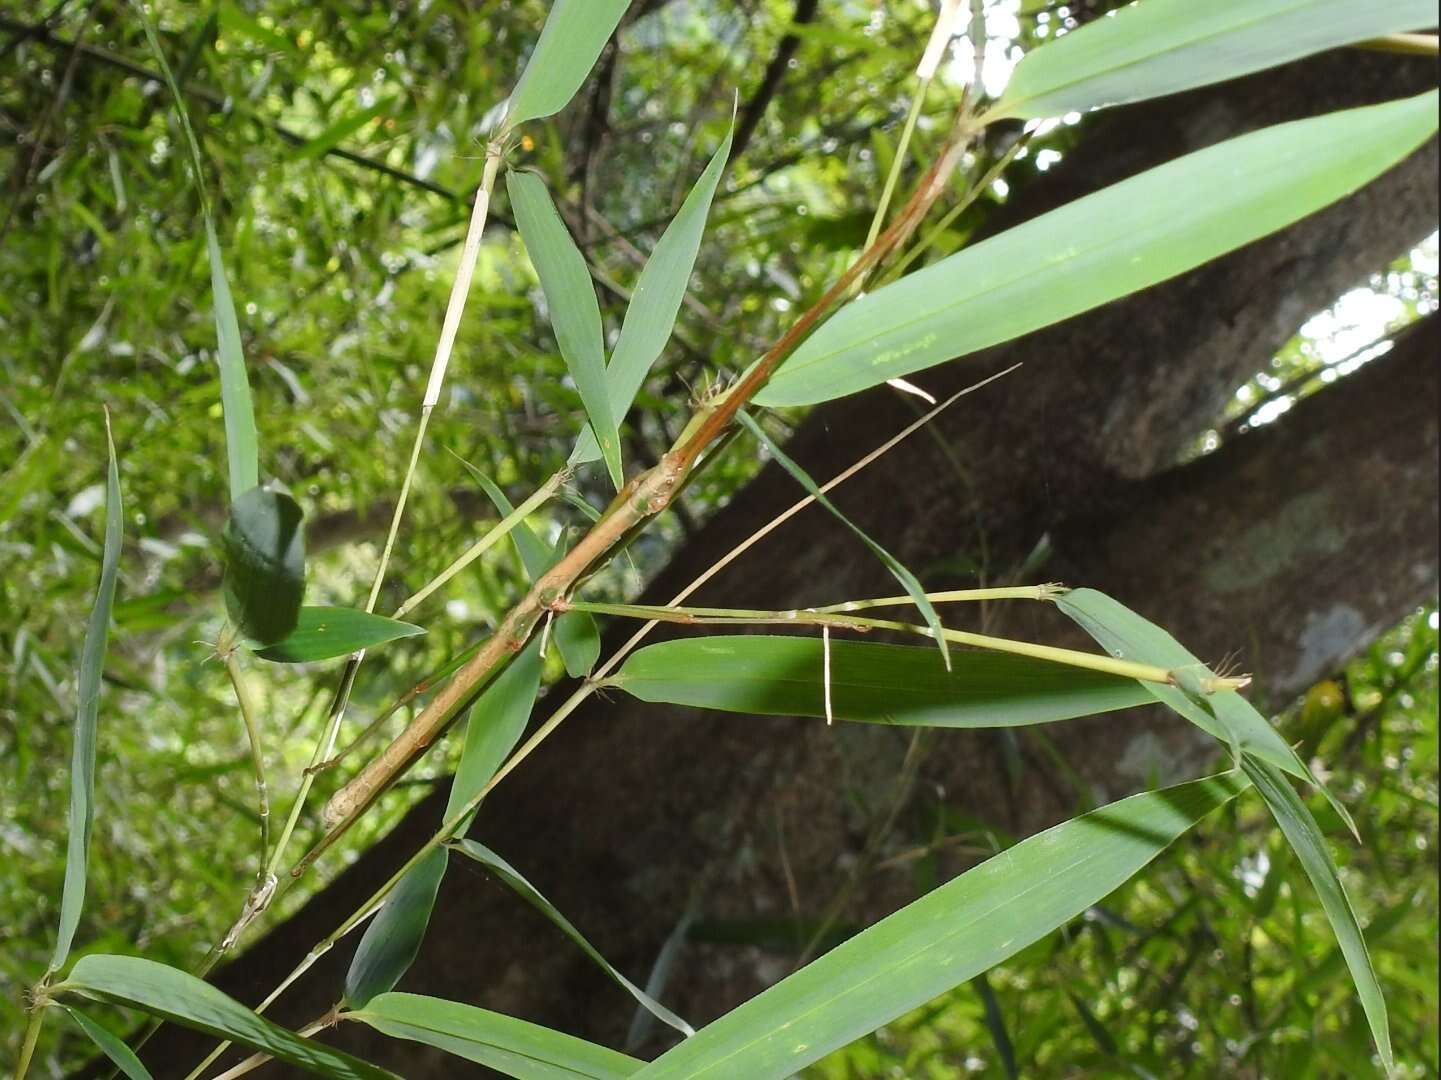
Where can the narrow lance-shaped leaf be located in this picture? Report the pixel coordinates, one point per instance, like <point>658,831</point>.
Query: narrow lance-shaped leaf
<point>1118,241</point>
<point>899,572</point>
<point>264,545</point>
<point>1226,715</point>
<point>948,936</point>
<point>574,312</point>
<point>111,1045</point>
<point>575,32</point>
<point>170,994</point>
<point>517,882</point>
<point>659,292</point>
<point>1310,848</point>
<point>576,634</point>
<point>880,684</point>
<point>510,1046</point>
<point>392,941</point>
<point>323,633</point>
<point>1160,47</point>
<point>87,710</point>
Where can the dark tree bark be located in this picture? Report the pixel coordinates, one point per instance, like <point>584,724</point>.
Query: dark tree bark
<point>1293,545</point>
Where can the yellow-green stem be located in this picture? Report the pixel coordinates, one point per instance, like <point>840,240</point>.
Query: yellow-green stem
<point>249,714</point>
<point>29,1041</point>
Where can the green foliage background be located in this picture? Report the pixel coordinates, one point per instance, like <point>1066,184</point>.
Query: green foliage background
<point>340,268</point>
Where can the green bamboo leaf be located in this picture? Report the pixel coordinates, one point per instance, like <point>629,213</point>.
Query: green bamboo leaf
<point>1226,716</point>
<point>576,634</point>
<point>497,721</point>
<point>392,940</point>
<point>264,544</point>
<point>322,633</point>
<point>517,883</point>
<point>575,32</point>
<point>1102,247</point>
<point>908,580</point>
<point>948,936</point>
<point>879,684</point>
<point>170,994</point>
<point>659,292</point>
<point>1160,47</point>
<point>341,130</point>
<point>87,710</point>
<point>1310,848</point>
<point>510,1046</point>
<point>574,312</point>
<point>111,1045</point>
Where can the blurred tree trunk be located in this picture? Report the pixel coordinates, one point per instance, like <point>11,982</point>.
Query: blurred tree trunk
<point>1292,547</point>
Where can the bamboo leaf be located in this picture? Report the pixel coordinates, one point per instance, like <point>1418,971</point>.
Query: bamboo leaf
<point>576,634</point>
<point>264,544</point>
<point>908,580</point>
<point>1160,47</point>
<point>87,711</point>
<point>242,443</point>
<point>392,940</point>
<point>1310,848</point>
<point>879,684</point>
<point>322,633</point>
<point>170,994</point>
<point>497,721</point>
<point>948,936</point>
<point>510,1046</point>
<point>574,312</point>
<point>659,292</point>
<point>1102,247</point>
<point>514,880</point>
<point>575,32</point>
<point>1226,715</point>
<point>111,1045</point>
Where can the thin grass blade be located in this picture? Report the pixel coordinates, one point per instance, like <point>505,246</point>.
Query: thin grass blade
<point>1120,240</point>
<point>575,32</point>
<point>908,580</point>
<point>574,311</point>
<point>323,633</point>
<point>1310,848</point>
<point>1162,47</point>
<point>170,994</point>
<point>510,1046</point>
<point>111,1045</point>
<point>872,683</point>
<point>87,711</point>
<point>515,881</point>
<point>659,292</point>
<point>948,936</point>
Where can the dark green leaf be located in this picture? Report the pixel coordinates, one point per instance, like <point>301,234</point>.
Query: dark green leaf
<point>1161,47</point>
<point>111,1045</point>
<point>170,994</point>
<point>510,1046</point>
<point>322,633</point>
<point>264,564</point>
<point>497,721</point>
<point>1099,248</point>
<point>392,940</point>
<point>574,312</point>
<point>570,42</point>
<point>515,881</point>
<point>883,684</point>
<point>948,936</point>
<point>242,443</point>
<point>908,580</point>
<point>87,711</point>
